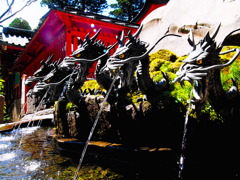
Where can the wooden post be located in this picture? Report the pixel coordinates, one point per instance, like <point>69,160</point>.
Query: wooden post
<point>2,99</point>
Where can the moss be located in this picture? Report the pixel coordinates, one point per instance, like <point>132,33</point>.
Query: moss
<point>232,71</point>
<point>69,106</point>
<point>156,76</point>
<point>163,54</point>
<point>91,84</point>
<point>96,172</point>
<point>156,64</point>
<point>181,94</point>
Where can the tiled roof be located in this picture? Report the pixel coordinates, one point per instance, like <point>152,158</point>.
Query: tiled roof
<point>18,32</point>
<point>13,40</point>
<point>15,36</point>
<point>99,17</point>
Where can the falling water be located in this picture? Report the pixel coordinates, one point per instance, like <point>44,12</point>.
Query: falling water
<point>92,130</point>
<point>31,120</point>
<point>34,160</point>
<point>184,140</point>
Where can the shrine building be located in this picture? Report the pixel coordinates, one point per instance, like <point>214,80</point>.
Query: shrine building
<point>58,35</point>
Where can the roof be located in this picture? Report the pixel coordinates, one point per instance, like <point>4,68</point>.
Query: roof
<point>148,7</point>
<point>18,32</point>
<point>15,36</point>
<point>58,21</point>
<point>100,17</point>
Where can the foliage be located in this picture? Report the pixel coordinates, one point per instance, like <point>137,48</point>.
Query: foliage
<point>126,9</point>
<point>20,23</point>
<point>94,6</point>
<point>6,117</point>
<point>1,86</point>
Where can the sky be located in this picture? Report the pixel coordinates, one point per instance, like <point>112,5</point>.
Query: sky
<point>32,14</point>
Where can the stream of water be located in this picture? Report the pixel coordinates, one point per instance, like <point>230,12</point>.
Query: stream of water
<point>37,159</point>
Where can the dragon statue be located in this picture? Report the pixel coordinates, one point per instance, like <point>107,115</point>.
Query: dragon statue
<point>125,76</point>
<point>41,72</point>
<point>133,56</point>
<point>38,76</point>
<point>90,52</point>
<point>72,72</point>
<point>202,69</point>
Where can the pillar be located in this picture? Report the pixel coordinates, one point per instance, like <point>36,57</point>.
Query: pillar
<point>2,100</point>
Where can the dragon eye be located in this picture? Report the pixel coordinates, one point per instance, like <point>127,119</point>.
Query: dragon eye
<point>121,56</point>
<point>78,55</point>
<point>199,61</point>
<point>36,75</point>
<point>48,80</point>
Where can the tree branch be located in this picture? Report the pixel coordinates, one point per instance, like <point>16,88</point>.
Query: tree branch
<point>8,9</point>
<point>28,3</point>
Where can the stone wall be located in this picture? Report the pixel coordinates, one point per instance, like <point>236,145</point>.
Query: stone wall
<point>132,125</point>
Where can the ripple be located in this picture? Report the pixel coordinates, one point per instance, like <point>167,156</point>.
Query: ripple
<point>29,130</point>
<point>7,138</point>
<point>32,166</point>
<point>3,146</point>
<point>7,156</point>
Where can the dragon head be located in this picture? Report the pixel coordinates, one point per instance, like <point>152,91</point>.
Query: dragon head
<point>87,51</point>
<point>41,72</point>
<point>133,47</point>
<point>200,64</point>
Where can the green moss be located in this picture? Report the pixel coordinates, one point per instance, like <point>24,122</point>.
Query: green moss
<point>70,106</point>
<point>164,54</point>
<point>156,76</point>
<point>91,84</point>
<point>89,172</point>
<point>136,96</point>
<point>232,71</point>
<point>162,61</point>
<point>156,64</point>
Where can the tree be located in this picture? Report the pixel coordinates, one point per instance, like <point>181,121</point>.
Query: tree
<point>126,9</point>
<point>20,23</point>
<point>8,12</point>
<point>94,6</point>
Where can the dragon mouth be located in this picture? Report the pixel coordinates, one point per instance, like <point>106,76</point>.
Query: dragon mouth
<point>198,81</point>
<point>197,92</point>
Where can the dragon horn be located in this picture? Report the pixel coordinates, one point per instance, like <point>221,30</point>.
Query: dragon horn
<point>219,66</point>
<point>191,40</point>
<point>43,63</point>
<point>133,37</point>
<point>80,41</point>
<point>146,53</point>
<point>121,41</point>
<point>96,35</point>
<point>99,57</point>
<point>87,38</point>
<point>214,34</point>
<point>130,36</point>
<point>138,31</point>
<point>49,58</point>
